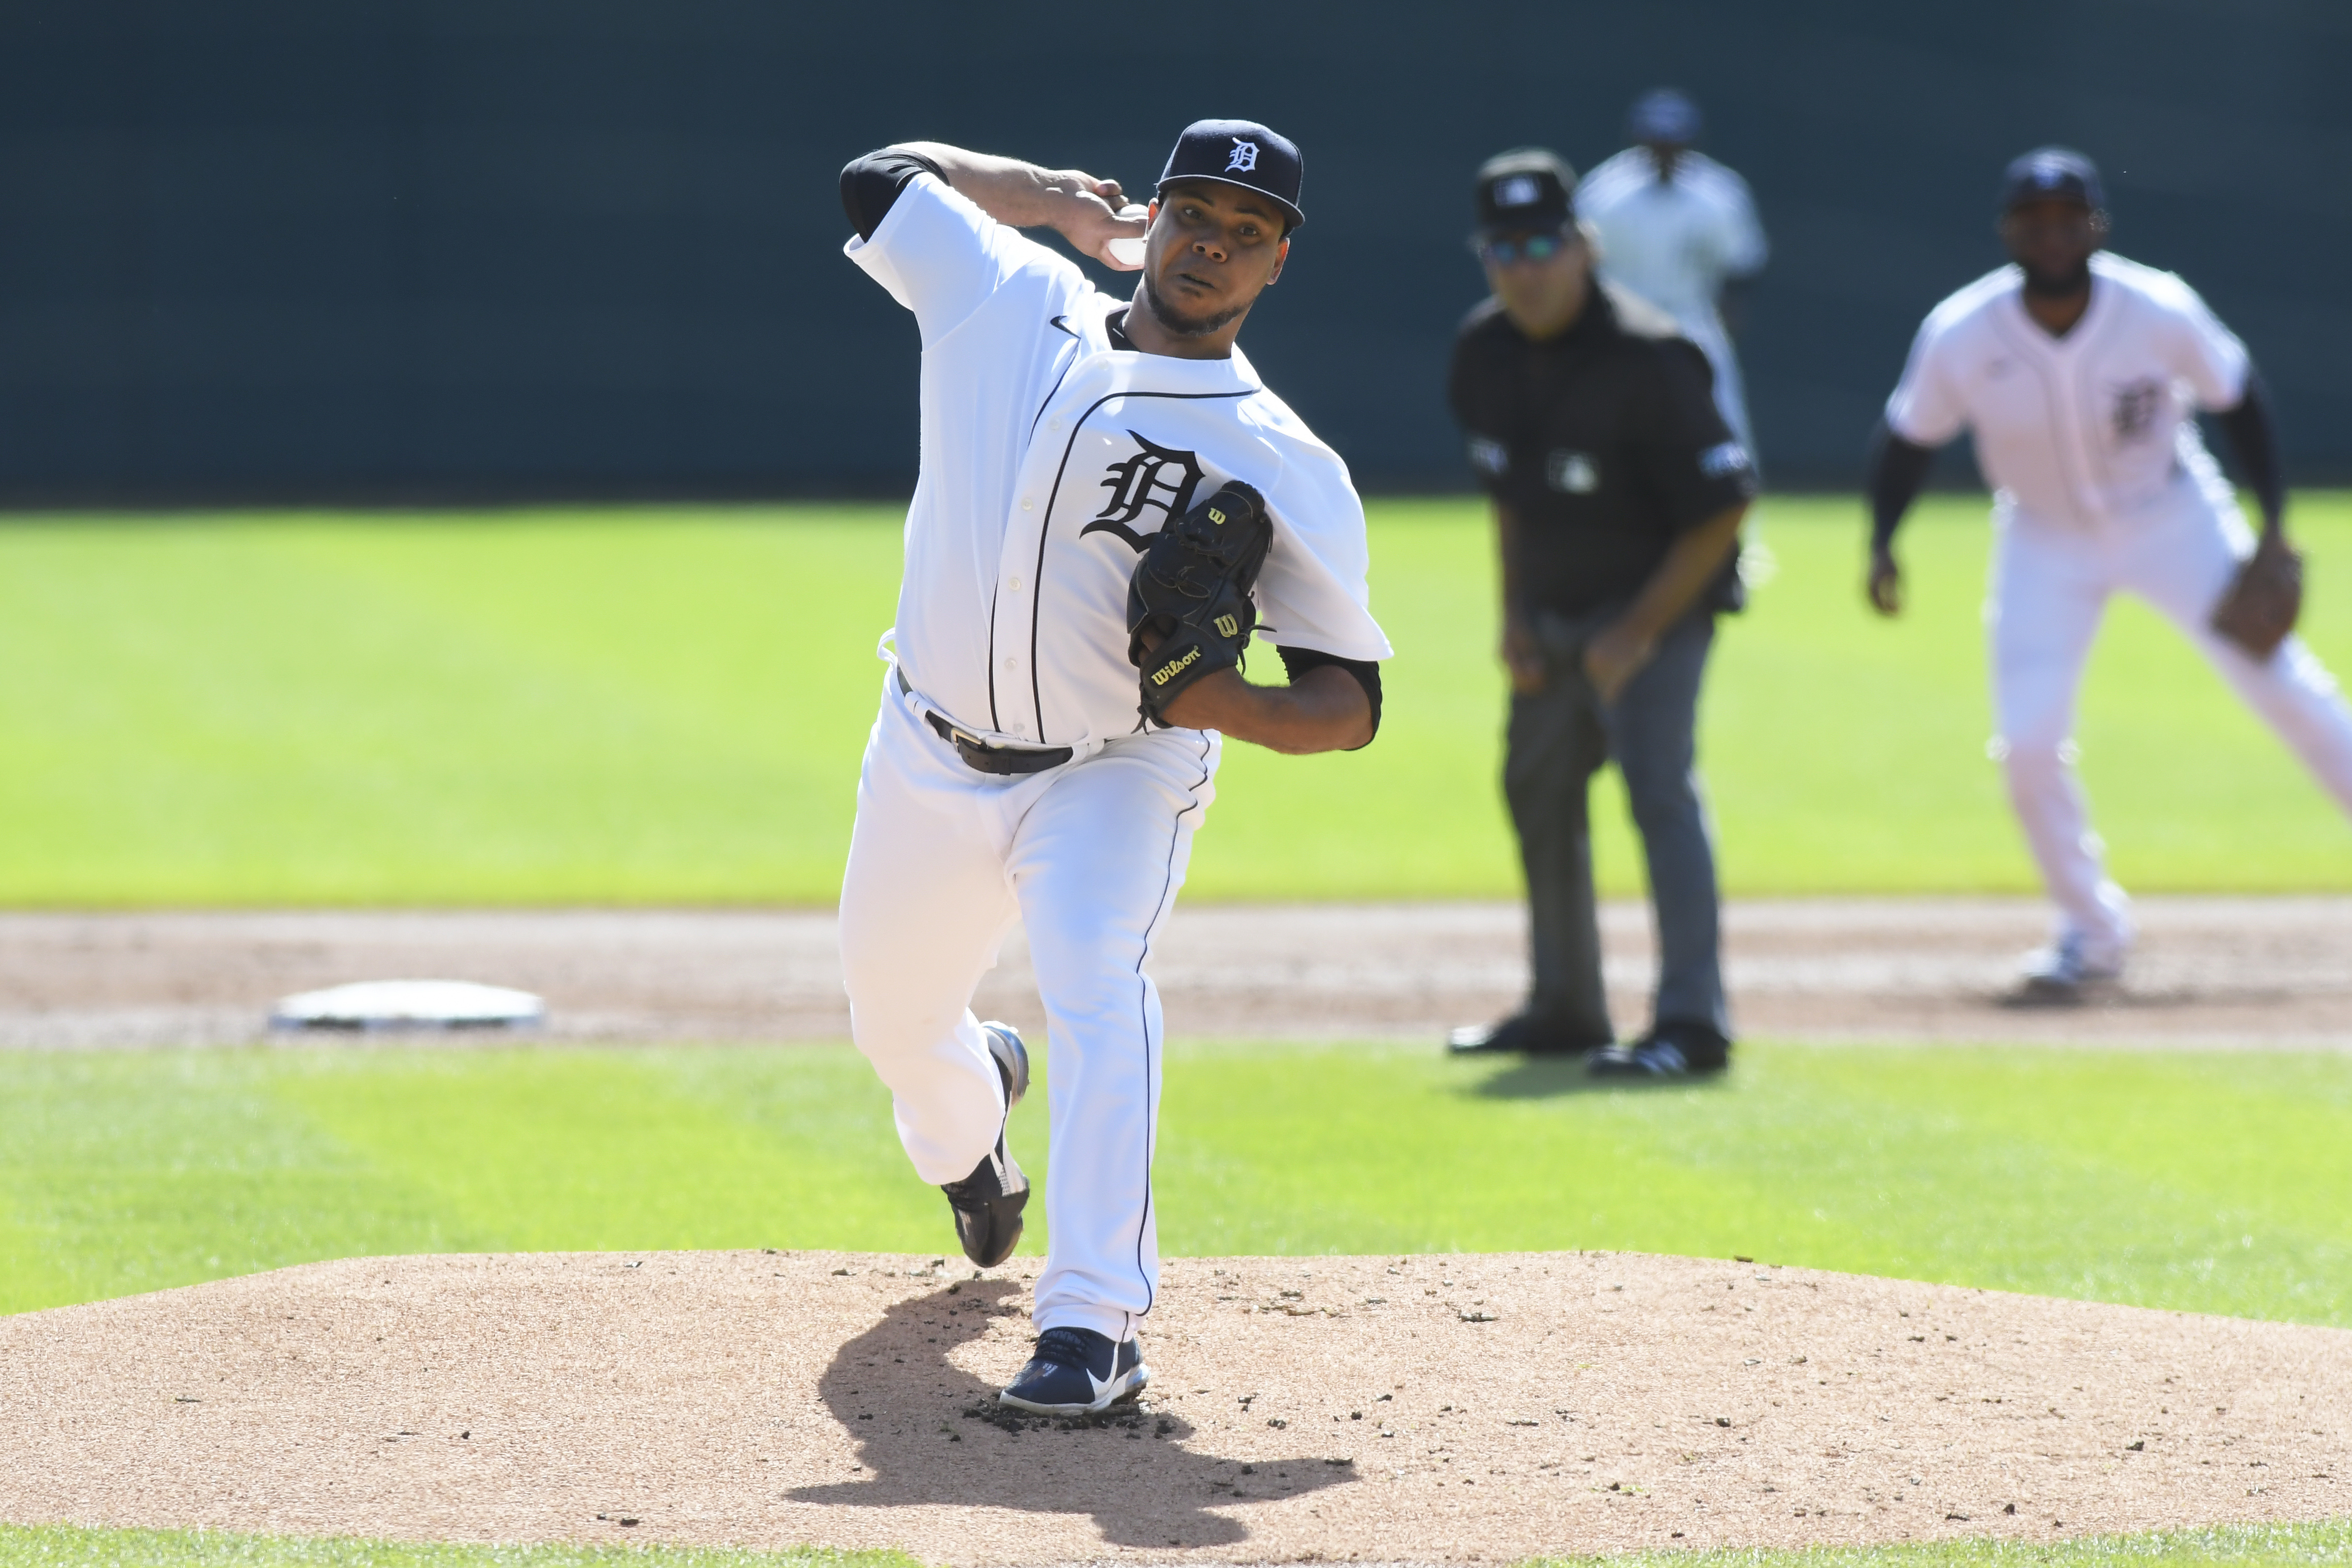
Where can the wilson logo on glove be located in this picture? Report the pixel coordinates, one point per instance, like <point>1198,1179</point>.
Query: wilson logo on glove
<point>1167,672</point>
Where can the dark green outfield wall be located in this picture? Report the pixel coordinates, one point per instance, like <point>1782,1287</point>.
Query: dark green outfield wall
<point>343,248</point>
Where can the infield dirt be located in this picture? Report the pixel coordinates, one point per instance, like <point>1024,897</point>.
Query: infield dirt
<point>1448,1408</point>
<point>2207,971</point>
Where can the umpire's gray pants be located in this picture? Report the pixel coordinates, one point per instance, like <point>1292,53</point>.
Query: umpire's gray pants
<point>1558,738</point>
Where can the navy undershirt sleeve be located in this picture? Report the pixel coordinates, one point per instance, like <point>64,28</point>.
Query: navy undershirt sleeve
<point>1297,661</point>
<point>1898,472</point>
<point>2254,440</point>
<point>870,186</point>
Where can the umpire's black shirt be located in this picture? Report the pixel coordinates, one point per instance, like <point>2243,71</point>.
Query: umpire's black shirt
<point>1605,440</point>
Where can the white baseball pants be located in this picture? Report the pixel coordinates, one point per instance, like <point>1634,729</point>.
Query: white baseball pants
<point>1088,857</point>
<point>2049,587</point>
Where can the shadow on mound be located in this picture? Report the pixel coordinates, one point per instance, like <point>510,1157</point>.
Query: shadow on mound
<point>929,1433</point>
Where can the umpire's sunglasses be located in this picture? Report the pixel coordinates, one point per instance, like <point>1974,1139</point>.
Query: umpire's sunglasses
<point>1523,247</point>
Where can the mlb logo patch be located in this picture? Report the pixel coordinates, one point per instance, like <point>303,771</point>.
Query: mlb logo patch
<point>1573,472</point>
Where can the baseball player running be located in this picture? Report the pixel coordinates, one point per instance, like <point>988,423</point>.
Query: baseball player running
<point>1110,502</point>
<point>1680,230</point>
<point>2079,371</point>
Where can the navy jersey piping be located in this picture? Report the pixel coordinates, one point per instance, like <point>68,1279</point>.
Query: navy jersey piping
<point>1046,534</point>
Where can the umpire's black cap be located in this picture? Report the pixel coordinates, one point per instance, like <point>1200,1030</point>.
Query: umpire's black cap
<point>1240,153</point>
<point>2052,175</point>
<point>1525,191</point>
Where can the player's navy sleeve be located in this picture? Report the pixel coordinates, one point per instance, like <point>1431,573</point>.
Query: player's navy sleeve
<point>870,186</point>
<point>1297,661</point>
<point>2254,440</point>
<point>1694,466</point>
<point>1898,471</point>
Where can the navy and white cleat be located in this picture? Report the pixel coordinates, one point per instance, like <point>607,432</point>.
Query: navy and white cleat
<point>1077,1372</point>
<point>2064,974</point>
<point>988,1203</point>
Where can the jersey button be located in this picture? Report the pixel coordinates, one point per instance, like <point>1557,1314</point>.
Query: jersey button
<point>1024,504</point>
<point>1016,585</point>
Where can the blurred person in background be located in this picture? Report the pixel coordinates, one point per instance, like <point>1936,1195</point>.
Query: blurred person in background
<point>1680,230</point>
<point>2081,374</point>
<point>1618,491</point>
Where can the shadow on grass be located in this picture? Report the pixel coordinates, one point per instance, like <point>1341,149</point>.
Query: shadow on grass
<point>1553,1077</point>
<point>929,1433</point>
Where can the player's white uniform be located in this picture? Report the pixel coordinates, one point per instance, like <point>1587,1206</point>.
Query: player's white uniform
<point>1675,243</point>
<point>2101,483</point>
<point>1047,457</point>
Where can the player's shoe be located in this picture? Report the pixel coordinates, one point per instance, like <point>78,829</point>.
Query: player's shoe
<point>1077,1372</point>
<point>2065,973</point>
<point>1521,1033</point>
<point>988,1203</point>
<point>1668,1051</point>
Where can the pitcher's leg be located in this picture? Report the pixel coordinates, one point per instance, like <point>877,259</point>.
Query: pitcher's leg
<point>1653,736</point>
<point>2047,601</point>
<point>2183,574</point>
<point>1098,862</point>
<point>924,904</point>
<point>1553,748</point>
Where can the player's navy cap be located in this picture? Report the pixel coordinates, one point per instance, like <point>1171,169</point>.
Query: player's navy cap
<point>2052,173</point>
<point>1240,153</point>
<point>1525,191</point>
<point>1662,114</point>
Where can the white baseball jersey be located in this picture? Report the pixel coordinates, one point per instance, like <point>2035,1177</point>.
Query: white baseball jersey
<point>1049,457</point>
<point>1675,243</point>
<point>2092,425</point>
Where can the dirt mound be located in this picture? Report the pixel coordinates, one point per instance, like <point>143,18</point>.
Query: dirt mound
<point>1439,1408</point>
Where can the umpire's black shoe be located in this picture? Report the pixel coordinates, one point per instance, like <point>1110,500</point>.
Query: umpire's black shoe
<point>1077,1372</point>
<point>1522,1033</point>
<point>1668,1050</point>
<point>988,1203</point>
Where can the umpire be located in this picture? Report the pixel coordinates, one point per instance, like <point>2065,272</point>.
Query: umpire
<point>1618,493</point>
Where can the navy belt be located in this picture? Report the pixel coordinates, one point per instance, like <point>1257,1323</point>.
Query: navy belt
<point>979,754</point>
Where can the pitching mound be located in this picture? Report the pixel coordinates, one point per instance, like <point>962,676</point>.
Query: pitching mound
<point>1425,1408</point>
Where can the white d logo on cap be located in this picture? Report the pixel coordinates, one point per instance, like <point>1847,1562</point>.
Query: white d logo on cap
<point>1518,191</point>
<point>1245,156</point>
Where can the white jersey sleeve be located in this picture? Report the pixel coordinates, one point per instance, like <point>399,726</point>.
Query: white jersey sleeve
<point>2205,353</point>
<point>1740,248</point>
<point>942,258</point>
<point>1927,408</point>
<point>1313,592</point>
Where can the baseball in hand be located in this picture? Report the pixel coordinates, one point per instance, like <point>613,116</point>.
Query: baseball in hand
<point>1128,253</point>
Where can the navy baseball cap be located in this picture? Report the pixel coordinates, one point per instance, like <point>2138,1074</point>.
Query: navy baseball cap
<point>2052,174</point>
<point>1528,190</point>
<point>1662,114</point>
<point>1240,153</point>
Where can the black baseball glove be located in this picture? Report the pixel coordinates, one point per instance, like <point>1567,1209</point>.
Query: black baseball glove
<point>1192,590</point>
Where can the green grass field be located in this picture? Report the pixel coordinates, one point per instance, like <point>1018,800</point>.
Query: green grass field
<point>661,706</point>
<point>2206,1182</point>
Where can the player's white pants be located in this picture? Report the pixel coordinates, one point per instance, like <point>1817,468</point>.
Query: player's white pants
<point>1088,857</point>
<point>2049,587</point>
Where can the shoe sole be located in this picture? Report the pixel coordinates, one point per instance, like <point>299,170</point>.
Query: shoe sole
<point>1126,1387</point>
<point>1011,1057</point>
